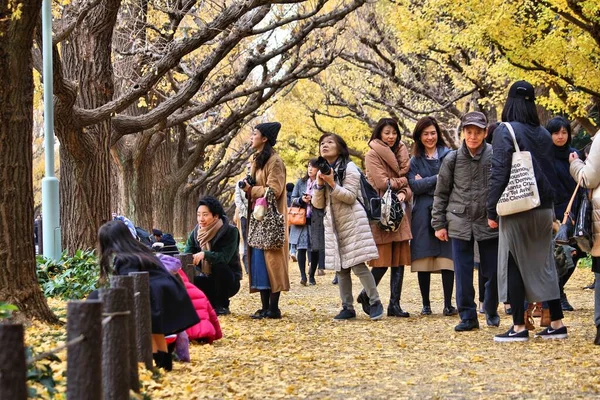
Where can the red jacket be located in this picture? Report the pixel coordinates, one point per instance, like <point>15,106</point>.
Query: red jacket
<point>208,328</point>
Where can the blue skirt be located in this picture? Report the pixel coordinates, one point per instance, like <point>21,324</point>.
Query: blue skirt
<point>258,271</point>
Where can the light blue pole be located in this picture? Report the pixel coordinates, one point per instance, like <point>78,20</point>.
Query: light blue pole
<point>50,206</point>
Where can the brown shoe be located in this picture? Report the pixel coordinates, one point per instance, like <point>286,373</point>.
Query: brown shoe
<point>545,321</point>
<point>537,310</point>
<point>529,323</point>
<point>597,340</point>
<point>320,272</point>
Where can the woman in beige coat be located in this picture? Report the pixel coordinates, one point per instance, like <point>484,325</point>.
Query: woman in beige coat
<point>388,162</point>
<point>589,174</point>
<point>349,242</point>
<point>267,269</point>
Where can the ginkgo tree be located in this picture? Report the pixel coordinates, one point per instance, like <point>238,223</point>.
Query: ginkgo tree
<point>133,78</point>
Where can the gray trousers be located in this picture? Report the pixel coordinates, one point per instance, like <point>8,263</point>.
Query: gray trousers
<point>345,284</point>
<point>596,301</point>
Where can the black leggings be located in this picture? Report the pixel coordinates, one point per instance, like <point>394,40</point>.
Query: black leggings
<point>447,285</point>
<point>516,293</point>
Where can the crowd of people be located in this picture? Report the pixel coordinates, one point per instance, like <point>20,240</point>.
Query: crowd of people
<point>450,225</point>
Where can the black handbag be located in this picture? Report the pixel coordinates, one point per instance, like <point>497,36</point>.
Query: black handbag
<point>582,232</point>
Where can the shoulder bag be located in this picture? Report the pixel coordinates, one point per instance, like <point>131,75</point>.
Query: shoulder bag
<point>296,216</point>
<point>521,194</point>
<point>268,233</point>
<point>391,211</point>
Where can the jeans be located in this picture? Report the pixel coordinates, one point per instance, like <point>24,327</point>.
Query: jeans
<point>243,222</point>
<point>345,284</point>
<point>463,254</point>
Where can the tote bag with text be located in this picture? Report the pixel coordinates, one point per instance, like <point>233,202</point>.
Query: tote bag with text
<point>521,193</point>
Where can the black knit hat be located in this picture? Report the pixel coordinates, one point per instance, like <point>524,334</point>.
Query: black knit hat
<point>270,130</point>
<point>522,89</point>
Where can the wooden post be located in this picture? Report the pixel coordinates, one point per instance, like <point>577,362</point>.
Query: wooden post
<point>126,282</point>
<point>84,359</point>
<point>13,369</point>
<point>187,264</point>
<point>143,320</point>
<point>115,345</point>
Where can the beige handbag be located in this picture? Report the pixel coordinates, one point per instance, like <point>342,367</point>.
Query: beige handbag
<point>521,194</point>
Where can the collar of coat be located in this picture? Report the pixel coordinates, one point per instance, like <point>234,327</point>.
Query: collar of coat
<point>486,146</point>
<point>387,155</point>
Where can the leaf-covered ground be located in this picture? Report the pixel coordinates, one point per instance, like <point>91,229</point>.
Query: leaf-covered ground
<point>308,355</point>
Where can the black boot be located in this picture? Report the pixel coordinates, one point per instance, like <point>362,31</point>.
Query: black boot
<point>362,298</point>
<point>273,312</point>
<point>396,279</point>
<point>265,296</point>
<point>163,360</point>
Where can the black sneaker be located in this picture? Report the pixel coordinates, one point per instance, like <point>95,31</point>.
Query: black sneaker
<point>312,282</point>
<point>376,311</point>
<point>467,325</point>
<point>512,336</point>
<point>273,314</point>
<point>565,305</point>
<point>450,311</point>
<point>345,315</point>
<point>426,310</point>
<point>335,280</point>
<point>549,333</point>
<point>597,340</point>
<point>363,300</point>
<point>492,320</point>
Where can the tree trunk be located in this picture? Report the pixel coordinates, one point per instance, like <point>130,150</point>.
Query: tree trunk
<point>185,212</point>
<point>85,189</point>
<point>85,185</point>
<point>18,282</point>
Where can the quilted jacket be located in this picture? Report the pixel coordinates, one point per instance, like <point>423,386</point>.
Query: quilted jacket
<point>208,329</point>
<point>348,237</point>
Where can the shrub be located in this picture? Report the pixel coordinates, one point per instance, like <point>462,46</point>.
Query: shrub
<point>6,310</point>
<point>70,277</point>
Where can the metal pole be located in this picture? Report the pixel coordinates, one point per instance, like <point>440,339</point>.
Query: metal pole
<point>50,206</point>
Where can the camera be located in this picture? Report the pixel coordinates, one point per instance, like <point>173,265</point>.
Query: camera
<point>248,179</point>
<point>323,166</point>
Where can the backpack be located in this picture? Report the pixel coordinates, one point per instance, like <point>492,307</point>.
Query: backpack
<point>143,236</point>
<point>368,197</point>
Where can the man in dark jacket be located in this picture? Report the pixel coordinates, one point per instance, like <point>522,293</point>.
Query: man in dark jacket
<point>215,246</point>
<point>459,213</point>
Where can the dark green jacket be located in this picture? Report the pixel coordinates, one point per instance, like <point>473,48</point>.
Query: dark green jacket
<point>224,248</point>
<point>461,192</point>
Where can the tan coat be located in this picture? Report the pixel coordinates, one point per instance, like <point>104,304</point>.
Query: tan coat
<point>348,238</point>
<point>383,164</point>
<point>273,175</point>
<point>589,171</point>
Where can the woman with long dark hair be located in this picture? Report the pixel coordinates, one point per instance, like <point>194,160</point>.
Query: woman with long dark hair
<point>428,253</point>
<point>171,308</point>
<point>560,131</point>
<point>268,269</point>
<point>304,239</point>
<point>349,242</point>
<point>526,268</point>
<point>387,163</point>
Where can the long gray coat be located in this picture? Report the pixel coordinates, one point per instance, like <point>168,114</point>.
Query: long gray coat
<point>299,234</point>
<point>461,192</point>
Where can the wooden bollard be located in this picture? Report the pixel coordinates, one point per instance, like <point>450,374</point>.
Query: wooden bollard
<point>143,320</point>
<point>187,264</point>
<point>126,282</point>
<point>84,359</point>
<point>13,370</point>
<point>115,345</point>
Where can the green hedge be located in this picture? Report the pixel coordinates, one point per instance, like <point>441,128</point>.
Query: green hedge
<point>70,277</point>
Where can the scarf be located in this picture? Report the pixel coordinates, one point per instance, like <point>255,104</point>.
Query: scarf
<point>205,235</point>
